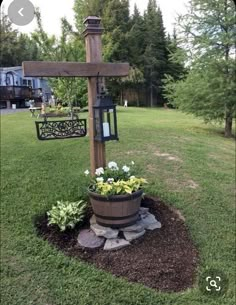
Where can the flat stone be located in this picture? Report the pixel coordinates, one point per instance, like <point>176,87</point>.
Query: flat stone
<point>93,220</point>
<point>115,244</point>
<point>133,235</point>
<point>134,228</point>
<point>104,231</point>
<point>143,210</point>
<point>153,226</point>
<point>146,220</point>
<point>88,239</point>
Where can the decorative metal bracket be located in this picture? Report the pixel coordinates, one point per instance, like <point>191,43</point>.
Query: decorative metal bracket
<point>64,129</point>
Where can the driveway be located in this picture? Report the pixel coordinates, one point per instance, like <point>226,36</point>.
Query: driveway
<point>12,111</point>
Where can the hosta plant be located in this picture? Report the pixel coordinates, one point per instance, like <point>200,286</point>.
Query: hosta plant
<point>115,180</point>
<point>67,214</point>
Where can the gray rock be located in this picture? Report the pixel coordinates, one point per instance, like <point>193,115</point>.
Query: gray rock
<point>133,235</point>
<point>88,239</point>
<point>93,220</point>
<point>137,227</point>
<point>143,210</point>
<point>153,226</point>
<point>146,220</point>
<point>104,231</point>
<point>115,244</point>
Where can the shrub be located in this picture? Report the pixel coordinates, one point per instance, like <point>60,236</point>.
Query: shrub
<point>67,214</point>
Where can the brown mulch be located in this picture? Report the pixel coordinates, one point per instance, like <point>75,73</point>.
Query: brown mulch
<point>164,259</point>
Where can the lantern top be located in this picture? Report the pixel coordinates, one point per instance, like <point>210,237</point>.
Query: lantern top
<point>104,100</point>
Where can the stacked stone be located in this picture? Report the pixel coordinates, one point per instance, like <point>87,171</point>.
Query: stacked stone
<point>98,235</point>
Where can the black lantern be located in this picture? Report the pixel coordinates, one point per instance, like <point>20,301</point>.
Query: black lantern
<point>105,121</point>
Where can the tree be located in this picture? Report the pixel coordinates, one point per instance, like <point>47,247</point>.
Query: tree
<point>8,39</point>
<point>116,22</point>
<point>68,47</point>
<point>84,8</point>
<point>209,90</point>
<point>139,40</point>
<point>176,57</point>
<point>136,39</point>
<point>15,47</point>
<point>155,53</point>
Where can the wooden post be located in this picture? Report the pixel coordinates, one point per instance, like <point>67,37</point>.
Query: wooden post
<point>92,34</point>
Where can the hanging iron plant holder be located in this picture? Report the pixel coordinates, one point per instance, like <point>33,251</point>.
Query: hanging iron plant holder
<point>72,127</point>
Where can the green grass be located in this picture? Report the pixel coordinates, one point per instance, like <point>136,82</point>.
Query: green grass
<point>199,182</point>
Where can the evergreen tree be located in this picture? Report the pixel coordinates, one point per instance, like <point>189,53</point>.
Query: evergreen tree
<point>84,8</point>
<point>155,54</point>
<point>176,57</point>
<point>116,22</point>
<point>139,40</point>
<point>209,90</point>
<point>136,39</point>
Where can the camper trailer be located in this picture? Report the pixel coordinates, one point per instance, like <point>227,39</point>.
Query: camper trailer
<point>16,90</point>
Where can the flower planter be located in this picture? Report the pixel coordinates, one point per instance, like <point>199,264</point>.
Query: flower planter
<point>116,211</point>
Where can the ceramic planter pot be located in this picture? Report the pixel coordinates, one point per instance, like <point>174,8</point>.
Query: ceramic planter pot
<point>116,211</point>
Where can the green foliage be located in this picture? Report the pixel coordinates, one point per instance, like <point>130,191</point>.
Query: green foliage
<point>68,47</point>
<point>114,180</point>
<point>204,92</point>
<point>176,58</point>
<point>84,8</point>
<point>67,214</point>
<point>15,47</point>
<point>155,54</point>
<point>119,187</point>
<point>209,90</point>
<point>136,39</point>
<point>139,40</point>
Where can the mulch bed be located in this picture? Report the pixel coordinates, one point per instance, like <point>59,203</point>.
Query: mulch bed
<point>164,259</point>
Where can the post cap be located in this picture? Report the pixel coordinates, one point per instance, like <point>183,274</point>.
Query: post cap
<point>92,21</point>
<point>93,26</point>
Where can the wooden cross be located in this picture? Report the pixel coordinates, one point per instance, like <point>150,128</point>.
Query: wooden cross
<point>91,69</point>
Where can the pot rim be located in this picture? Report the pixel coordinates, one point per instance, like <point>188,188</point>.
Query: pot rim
<point>121,197</point>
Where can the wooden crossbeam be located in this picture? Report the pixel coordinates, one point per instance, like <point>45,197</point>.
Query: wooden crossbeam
<point>74,69</point>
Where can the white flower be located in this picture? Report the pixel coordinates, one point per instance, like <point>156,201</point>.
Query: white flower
<point>86,172</point>
<point>110,180</point>
<point>125,169</point>
<point>132,162</point>
<point>99,179</point>
<point>132,177</point>
<point>113,165</point>
<point>99,171</point>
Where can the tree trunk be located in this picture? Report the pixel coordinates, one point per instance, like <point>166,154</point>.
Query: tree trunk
<point>228,126</point>
<point>137,94</point>
<point>151,96</point>
<point>121,97</point>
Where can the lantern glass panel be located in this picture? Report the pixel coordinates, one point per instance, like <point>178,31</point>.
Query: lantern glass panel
<point>110,116</point>
<point>106,124</point>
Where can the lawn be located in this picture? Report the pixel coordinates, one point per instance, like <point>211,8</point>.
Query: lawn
<point>188,165</point>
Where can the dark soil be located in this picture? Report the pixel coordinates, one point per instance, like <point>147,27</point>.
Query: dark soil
<point>164,259</point>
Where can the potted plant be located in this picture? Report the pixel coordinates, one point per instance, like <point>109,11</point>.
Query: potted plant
<point>115,195</point>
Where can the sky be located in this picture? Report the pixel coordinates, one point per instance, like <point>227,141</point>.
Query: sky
<point>53,10</point>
